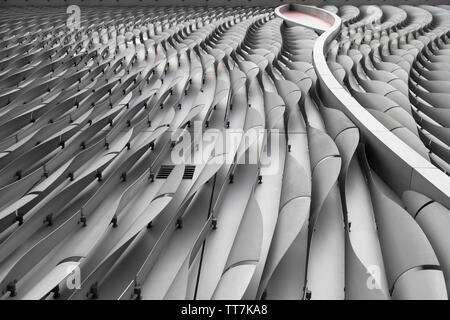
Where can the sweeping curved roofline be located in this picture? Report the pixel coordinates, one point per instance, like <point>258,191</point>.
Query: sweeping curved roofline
<point>416,172</point>
<point>325,19</point>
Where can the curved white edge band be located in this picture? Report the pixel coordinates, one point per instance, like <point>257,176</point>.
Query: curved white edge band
<point>321,14</point>
<point>400,165</point>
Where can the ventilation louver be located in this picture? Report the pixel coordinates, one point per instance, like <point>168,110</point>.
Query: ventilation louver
<point>165,171</point>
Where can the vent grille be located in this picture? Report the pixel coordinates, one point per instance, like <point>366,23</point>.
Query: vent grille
<point>165,171</point>
<point>189,172</point>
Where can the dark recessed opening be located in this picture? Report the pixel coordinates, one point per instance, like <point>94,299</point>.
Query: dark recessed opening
<point>166,170</point>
